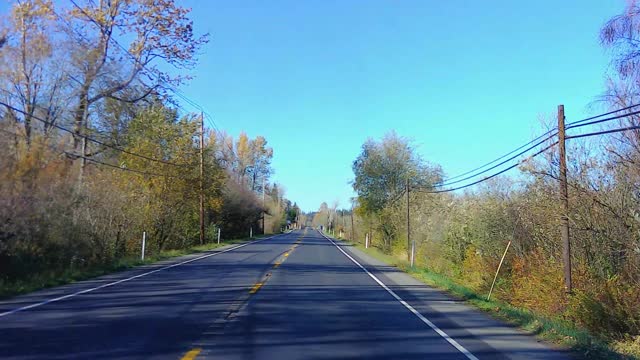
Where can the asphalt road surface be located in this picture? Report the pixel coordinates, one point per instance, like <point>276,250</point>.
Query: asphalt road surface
<point>293,296</point>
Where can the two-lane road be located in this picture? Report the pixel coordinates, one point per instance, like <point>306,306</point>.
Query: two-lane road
<point>293,296</point>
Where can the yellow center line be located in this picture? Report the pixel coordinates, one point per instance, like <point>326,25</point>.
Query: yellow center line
<point>255,288</point>
<point>286,254</point>
<point>191,354</point>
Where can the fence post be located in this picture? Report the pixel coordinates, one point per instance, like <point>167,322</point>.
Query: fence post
<point>564,199</point>
<point>144,241</point>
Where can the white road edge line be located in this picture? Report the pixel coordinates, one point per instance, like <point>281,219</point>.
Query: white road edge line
<point>451,341</point>
<point>125,280</point>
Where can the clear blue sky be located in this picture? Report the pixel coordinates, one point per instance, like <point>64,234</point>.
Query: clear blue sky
<point>466,80</point>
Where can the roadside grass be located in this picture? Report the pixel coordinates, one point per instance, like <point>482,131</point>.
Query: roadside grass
<point>557,331</point>
<point>43,281</point>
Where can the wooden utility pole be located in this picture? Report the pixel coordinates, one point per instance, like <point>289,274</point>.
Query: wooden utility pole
<point>201,178</point>
<point>564,199</point>
<point>352,228</point>
<point>263,208</point>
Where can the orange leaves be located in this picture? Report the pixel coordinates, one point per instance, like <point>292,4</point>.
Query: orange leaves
<point>537,284</point>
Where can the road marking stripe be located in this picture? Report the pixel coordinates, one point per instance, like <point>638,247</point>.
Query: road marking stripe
<point>276,264</point>
<point>60,298</point>
<point>191,354</point>
<point>255,288</point>
<point>433,326</point>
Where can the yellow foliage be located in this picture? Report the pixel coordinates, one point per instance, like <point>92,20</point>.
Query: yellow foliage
<point>475,271</point>
<point>612,305</point>
<point>537,284</point>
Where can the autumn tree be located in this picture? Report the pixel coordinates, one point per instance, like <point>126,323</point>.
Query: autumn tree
<point>157,32</point>
<point>32,82</point>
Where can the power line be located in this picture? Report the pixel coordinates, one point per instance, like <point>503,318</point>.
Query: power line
<point>577,125</point>
<point>490,176</point>
<point>501,163</point>
<point>635,127</point>
<point>141,172</point>
<point>99,142</point>
<point>120,167</point>
<point>584,122</point>
<point>444,182</point>
<point>601,115</point>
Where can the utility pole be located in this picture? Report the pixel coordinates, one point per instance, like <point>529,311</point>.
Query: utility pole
<point>410,244</point>
<point>352,228</point>
<point>201,178</point>
<point>263,209</point>
<point>564,199</point>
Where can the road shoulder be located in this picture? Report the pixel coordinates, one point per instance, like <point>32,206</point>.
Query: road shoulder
<point>44,296</point>
<point>463,322</point>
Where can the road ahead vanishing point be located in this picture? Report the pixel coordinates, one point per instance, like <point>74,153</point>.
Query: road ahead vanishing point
<point>292,296</point>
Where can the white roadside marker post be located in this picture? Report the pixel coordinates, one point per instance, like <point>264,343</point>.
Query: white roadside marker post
<point>144,240</point>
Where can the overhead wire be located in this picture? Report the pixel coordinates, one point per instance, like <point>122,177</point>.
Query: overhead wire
<point>635,127</point>
<point>497,159</point>
<point>89,138</point>
<point>581,124</point>
<point>159,78</point>
<point>93,160</point>
<point>490,176</point>
<point>502,162</point>
<point>601,115</point>
<point>577,124</point>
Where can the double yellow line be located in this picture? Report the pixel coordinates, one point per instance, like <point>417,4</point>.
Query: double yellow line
<point>278,262</point>
<point>193,353</point>
<point>256,287</point>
